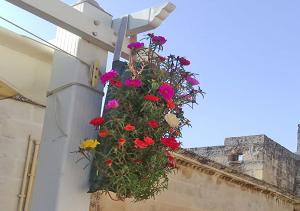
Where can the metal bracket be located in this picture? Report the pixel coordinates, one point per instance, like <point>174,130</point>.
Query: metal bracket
<point>95,74</point>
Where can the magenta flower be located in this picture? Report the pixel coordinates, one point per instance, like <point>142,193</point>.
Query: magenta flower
<point>135,45</point>
<point>112,104</point>
<point>166,91</point>
<point>150,35</point>
<point>108,76</point>
<point>184,62</point>
<point>162,58</point>
<point>191,80</point>
<point>159,40</point>
<point>133,83</point>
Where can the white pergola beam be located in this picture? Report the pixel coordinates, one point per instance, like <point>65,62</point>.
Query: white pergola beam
<point>147,19</point>
<point>72,20</point>
<point>104,34</point>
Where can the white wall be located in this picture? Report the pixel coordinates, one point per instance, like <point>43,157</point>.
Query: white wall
<point>18,120</point>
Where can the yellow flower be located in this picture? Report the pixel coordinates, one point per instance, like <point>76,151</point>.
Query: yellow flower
<point>89,144</point>
<point>172,120</point>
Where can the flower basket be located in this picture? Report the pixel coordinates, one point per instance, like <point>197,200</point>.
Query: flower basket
<point>141,122</point>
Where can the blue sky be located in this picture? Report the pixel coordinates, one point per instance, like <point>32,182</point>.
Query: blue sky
<point>247,55</point>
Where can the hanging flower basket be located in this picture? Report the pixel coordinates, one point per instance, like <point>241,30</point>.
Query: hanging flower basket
<point>142,120</point>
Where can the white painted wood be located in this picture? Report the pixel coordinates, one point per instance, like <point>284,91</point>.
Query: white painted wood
<point>66,17</point>
<point>147,19</point>
<point>61,183</point>
<point>96,29</point>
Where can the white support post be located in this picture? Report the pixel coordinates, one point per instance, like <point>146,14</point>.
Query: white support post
<point>61,183</point>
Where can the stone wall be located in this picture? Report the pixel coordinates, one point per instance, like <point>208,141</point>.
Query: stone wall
<point>18,121</point>
<point>243,153</point>
<point>279,165</point>
<point>204,188</point>
<point>257,156</point>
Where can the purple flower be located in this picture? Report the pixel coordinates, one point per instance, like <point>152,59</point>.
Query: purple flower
<point>112,104</point>
<point>159,40</point>
<point>166,91</point>
<point>108,76</point>
<point>135,45</point>
<point>133,83</point>
<point>191,80</point>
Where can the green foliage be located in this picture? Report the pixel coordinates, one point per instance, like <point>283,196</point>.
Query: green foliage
<point>132,169</point>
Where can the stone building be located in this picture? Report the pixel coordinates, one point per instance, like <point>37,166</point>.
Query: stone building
<point>250,173</point>
<point>259,157</point>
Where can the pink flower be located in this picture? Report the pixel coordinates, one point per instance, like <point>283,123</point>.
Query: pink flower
<point>133,83</point>
<point>166,91</point>
<point>184,62</point>
<point>112,104</point>
<point>108,76</point>
<point>191,80</point>
<point>159,40</point>
<point>135,45</point>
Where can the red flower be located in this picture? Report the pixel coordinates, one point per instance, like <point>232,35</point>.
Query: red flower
<point>97,121</point>
<point>171,104</point>
<point>153,123</point>
<point>108,162</point>
<point>138,143</point>
<point>152,98</point>
<point>171,160</point>
<point>116,83</point>
<point>121,141</point>
<point>171,143</point>
<point>184,62</point>
<point>129,127</point>
<point>103,133</point>
<point>148,140</point>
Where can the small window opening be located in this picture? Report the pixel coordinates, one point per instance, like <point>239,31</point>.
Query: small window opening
<point>240,157</point>
<point>235,157</point>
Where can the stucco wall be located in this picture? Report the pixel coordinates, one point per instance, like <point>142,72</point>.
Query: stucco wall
<point>194,190</point>
<point>18,120</point>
